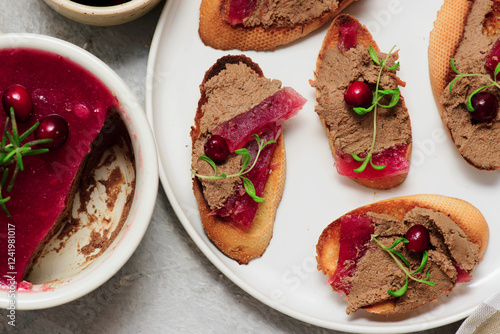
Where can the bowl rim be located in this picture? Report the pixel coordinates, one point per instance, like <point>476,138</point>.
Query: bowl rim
<point>146,189</point>
<point>126,7</point>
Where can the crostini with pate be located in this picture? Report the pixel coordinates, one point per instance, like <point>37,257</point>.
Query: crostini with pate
<point>238,155</point>
<point>361,107</point>
<point>393,256</point>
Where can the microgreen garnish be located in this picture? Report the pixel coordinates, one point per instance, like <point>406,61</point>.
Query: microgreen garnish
<point>462,75</point>
<point>246,158</point>
<point>12,151</point>
<point>398,258</point>
<point>377,96</point>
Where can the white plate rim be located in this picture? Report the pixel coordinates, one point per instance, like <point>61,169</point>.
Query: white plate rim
<point>209,253</point>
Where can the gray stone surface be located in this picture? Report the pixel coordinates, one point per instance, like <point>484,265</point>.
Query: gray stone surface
<point>168,286</point>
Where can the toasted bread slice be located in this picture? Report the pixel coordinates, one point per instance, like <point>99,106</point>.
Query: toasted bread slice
<point>466,216</point>
<point>447,35</point>
<point>216,32</point>
<point>236,242</point>
<point>365,39</point>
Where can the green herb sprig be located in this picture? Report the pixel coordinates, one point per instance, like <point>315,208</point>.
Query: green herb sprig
<point>246,158</point>
<point>486,76</point>
<point>377,96</point>
<point>12,151</point>
<point>397,256</point>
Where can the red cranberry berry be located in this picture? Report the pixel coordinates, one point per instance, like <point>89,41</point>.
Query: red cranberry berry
<point>216,149</point>
<point>418,238</point>
<point>358,94</point>
<point>485,106</point>
<point>17,97</point>
<point>52,127</point>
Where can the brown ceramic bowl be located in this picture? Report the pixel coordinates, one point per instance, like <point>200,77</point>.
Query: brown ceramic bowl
<point>102,16</point>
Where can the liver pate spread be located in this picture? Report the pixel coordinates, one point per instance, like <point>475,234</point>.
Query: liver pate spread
<point>348,131</point>
<point>233,91</point>
<point>477,142</point>
<point>377,272</point>
<point>288,13</point>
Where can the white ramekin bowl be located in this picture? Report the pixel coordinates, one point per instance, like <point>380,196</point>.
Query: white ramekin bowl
<point>102,16</point>
<point>80,282</point>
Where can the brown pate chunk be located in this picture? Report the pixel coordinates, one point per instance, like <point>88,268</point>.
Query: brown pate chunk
<point>288,13</point>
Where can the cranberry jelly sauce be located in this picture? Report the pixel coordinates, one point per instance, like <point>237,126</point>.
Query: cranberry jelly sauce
<point>41,191</point>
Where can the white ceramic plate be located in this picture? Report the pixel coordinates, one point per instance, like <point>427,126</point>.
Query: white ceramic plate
<point>286,278</point>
